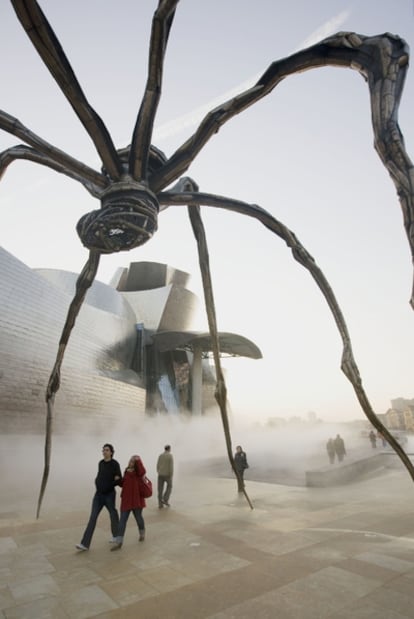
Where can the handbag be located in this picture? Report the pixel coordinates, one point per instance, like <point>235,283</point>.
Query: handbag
<point>145,487</point>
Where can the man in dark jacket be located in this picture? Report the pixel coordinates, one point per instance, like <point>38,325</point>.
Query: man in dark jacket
<point>109,475</point>
<point>340,447</point>
<point>240,463</point>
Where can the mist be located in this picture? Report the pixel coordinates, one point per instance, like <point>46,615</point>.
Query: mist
<point>275,455</point>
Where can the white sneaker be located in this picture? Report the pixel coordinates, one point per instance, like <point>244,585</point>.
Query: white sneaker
<point>81,547</point>
<point>112,540</point>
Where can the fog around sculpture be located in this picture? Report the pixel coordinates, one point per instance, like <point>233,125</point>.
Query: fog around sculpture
<point>197,445</point>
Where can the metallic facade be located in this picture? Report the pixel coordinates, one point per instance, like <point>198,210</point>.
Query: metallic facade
<point>131,351</point>
<point>98,380</point>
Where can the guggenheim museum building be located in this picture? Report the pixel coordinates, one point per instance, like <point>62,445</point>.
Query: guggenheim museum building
<point>132,351</point>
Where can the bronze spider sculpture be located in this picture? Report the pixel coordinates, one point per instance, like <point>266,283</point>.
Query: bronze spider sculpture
<point>134,183</point>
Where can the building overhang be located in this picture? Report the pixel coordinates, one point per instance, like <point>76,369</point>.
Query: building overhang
<point>230,343</point>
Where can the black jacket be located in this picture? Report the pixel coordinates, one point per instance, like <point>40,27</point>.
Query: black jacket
<point>105,480</point>
<point>240,461</point>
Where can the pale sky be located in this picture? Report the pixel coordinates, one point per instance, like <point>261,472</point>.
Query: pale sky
<point>304,153</point>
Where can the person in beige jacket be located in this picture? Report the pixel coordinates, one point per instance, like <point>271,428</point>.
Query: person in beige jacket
<point>165,470</point>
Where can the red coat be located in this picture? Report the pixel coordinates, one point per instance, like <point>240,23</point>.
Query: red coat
<point>130,495</point>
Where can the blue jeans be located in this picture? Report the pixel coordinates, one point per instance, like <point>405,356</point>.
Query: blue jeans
<point>124,519</point>
<point>100,501</point>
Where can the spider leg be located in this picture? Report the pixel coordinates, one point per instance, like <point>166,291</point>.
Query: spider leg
<point>382,60</point>
<point>349,366</point>
<point>141,138</point>
<point>84,282</point>
<point>221,389</point>
<point>74,168</point>
<point>30,154</point>
<point>47,45</point>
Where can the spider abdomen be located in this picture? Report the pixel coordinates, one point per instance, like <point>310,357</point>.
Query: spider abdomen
<point>127,219</point>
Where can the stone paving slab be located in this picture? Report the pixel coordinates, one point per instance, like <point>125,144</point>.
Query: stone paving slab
<point>302,553</point>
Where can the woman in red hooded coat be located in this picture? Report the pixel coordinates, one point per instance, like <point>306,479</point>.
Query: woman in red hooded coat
<point>131,500</point>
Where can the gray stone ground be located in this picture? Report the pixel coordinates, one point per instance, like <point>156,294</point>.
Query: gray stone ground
<point>302,553</point>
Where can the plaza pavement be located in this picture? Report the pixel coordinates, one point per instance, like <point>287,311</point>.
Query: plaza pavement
<point>302,553</point>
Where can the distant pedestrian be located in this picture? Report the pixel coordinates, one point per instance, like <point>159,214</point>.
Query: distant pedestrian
<point>330,448</point>
<point>339,447</point>
<point>165,470</point>
<point>240,463</point>
<point>109,475</point>
<point>373,439</point>
<point>381,437</point>
<point>131,500</point>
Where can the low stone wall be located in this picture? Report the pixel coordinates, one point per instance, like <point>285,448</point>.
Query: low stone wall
<point>348,471</point>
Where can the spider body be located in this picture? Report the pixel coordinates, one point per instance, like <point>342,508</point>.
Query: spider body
<point>127,218</point>
<point>134,183</point>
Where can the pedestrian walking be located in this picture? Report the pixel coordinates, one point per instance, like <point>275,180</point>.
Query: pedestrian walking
<point>340,447</point>
<point>131,500</point>
<point>165,470</point>
<point>240,463</point>
<point>109,475</point>
<point>330,448</point>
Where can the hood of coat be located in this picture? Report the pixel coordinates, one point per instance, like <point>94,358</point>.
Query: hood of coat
<point>134,462</point>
